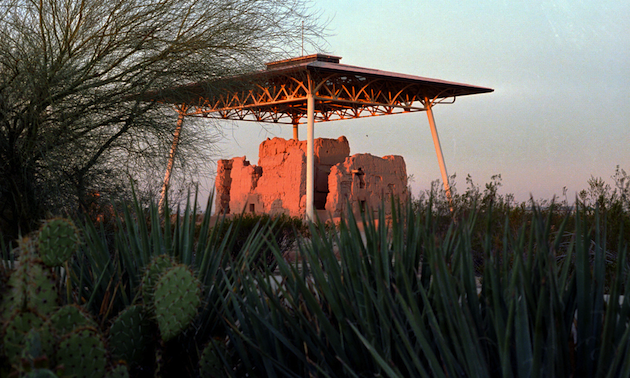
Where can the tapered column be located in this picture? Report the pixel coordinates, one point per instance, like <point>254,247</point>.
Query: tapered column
<point>296,135</point>
<point>310,156</point>
<point>438,150</point>
<point>171,160</point>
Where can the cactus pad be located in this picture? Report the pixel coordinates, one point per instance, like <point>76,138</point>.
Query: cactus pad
<point>41,373</point>
<point>39,343</point>
<point>16,331</point>
<point>58,240</point>
<point>118,371</point>
<point>82,353</point>
<point>130,335</point>
<point>27,249</point>
<point>176,299</point>
<point>210,363</point>
<point>70,317</point>
<point>154,270</point>
<point>31,286</point>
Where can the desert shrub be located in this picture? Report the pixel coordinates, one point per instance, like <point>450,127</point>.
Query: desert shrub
<point>611,202</point>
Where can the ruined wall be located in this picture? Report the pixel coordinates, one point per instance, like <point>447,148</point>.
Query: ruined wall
<point>244,178</point>
<point>222,184</point>
<point>365,182</point>
<point>282,186</point>
<point>278,183</point>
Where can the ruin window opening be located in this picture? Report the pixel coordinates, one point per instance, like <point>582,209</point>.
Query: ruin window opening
<point>359,174</point>
<point>252,208</point>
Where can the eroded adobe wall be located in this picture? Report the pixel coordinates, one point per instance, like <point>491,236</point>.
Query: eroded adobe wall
<point>328,153</point>
<point>365,181</point>
<point>222,183</point>
<point>278,183</point>
<point>281,187</point>
<point>244,177</point>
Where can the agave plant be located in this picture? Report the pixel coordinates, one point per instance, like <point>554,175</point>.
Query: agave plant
<point>394,300</point>
<point>171,271</point>
<point>397,297</point>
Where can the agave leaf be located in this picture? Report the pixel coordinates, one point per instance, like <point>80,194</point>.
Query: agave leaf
<point>585,303</point>
<point>620,366</point>
<point>415,320</point>
<point>612,314</point>
<point>451,365</point>
<point>381,362</point>
<point>522,339</point>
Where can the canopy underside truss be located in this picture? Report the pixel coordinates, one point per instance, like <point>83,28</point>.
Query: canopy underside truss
<point>282,99</point>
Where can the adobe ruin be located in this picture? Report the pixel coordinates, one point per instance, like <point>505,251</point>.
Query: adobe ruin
<point>278,183</point>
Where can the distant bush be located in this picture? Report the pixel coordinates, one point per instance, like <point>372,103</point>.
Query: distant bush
<point>612,203</point>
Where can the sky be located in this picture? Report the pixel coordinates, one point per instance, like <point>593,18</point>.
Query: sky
<point>560,70</point>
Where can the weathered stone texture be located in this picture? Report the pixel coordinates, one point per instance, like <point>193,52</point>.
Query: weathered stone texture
<point>222,183</point>
<point>244,181</point>
<point>283,182</point>
<point>278,183</point>
<point>365,182</point>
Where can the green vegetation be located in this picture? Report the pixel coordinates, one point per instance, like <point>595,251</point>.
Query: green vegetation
<point>501,210</point>
<point>76,126</point>
<point>490,289</point>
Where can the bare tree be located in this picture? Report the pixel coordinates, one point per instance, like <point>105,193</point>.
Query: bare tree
<point>71,121</point>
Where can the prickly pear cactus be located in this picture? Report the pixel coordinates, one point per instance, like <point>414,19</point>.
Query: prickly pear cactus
<point>14,298</point>
<point>15,331</point>
<point>118,371</point>
<point>32,285</point>
<point>176,299</point>
<point>210,363</point>
<point>58,239</point>
<point>82,353</point>
<point>130,335</point>
<point>154,270</point>
<point>70,317</point>
<point>40,373</point>
<point>27,249</point>
<point>39,343</point>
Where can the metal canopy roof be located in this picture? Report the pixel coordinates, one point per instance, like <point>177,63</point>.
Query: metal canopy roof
<point>316,88</point>
<point>278,94</point>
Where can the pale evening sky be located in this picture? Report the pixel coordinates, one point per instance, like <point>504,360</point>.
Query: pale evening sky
<point>560,111</point>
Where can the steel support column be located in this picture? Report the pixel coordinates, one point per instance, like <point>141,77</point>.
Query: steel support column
<point>171,160</point>
<point>295,131</point>
<point>438,149</point>
<point>310,156</point>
